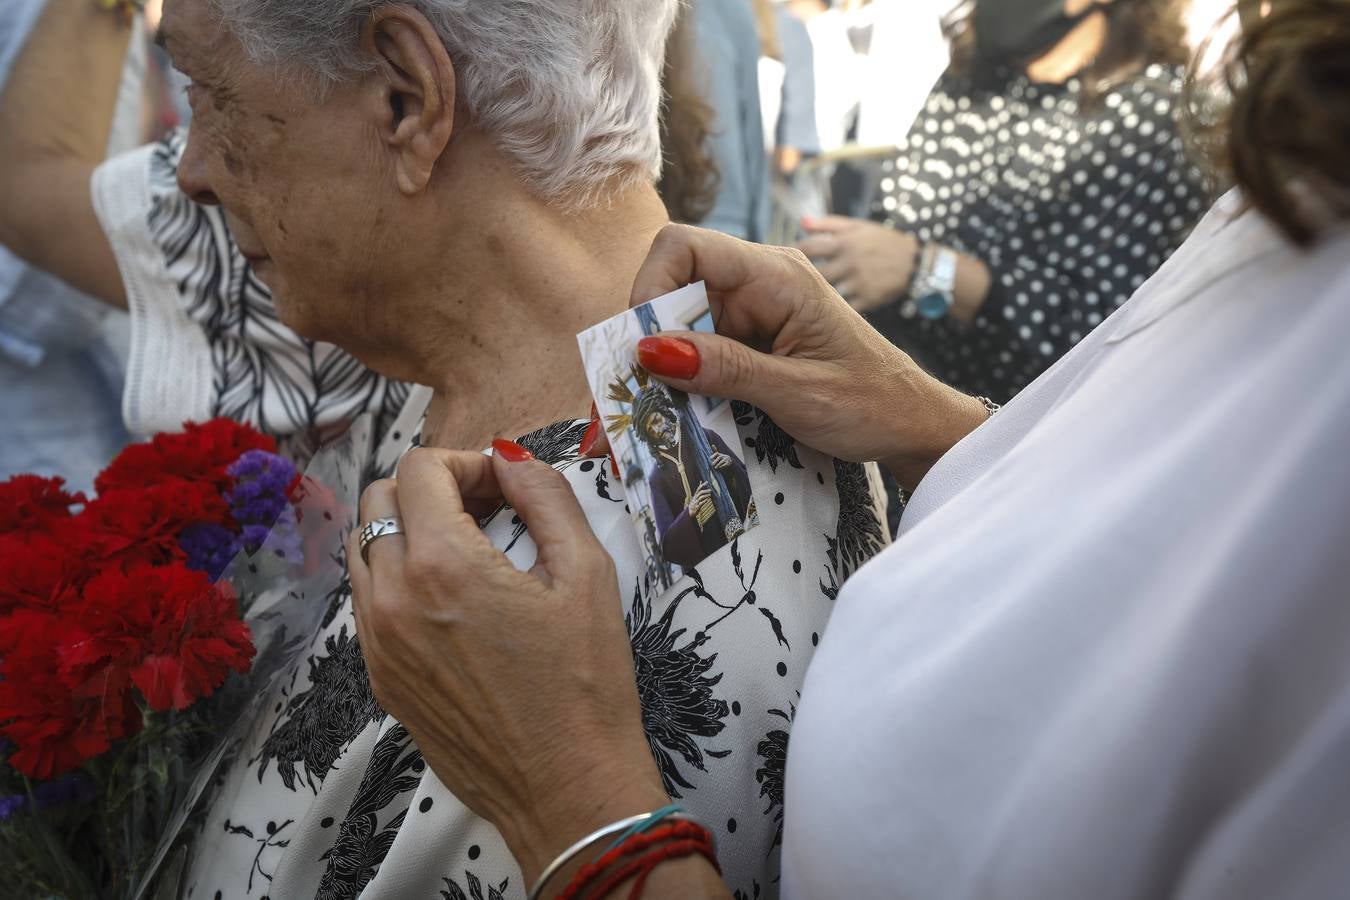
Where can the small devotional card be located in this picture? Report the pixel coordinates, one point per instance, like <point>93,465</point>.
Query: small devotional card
<point>687,485</point>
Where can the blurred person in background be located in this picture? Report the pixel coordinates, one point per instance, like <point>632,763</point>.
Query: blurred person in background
<point>837,66</point>
<point>787,87</point>
<point>689,175</point>
<point>1044,181</point>
<point>904,52</point>
<point>726,43</point>
<point>62,353</point>
<point>875,63</point>
<point>788,104</point>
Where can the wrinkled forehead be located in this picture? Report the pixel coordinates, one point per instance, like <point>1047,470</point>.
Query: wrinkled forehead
<point>194,36</point>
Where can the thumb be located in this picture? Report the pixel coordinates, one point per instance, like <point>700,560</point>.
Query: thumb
<point>716,366</point>
<point>546,504</point>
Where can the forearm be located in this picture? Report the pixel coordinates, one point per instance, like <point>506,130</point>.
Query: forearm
<point>60,97</point>
<point>930,421</point>
<point>55,116</point>
<point>973,282</point>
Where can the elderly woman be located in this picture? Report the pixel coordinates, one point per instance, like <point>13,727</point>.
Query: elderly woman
<point>1107,657</point>
<point>450,212</point>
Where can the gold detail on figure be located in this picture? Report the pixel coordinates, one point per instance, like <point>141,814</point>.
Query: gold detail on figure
<point>698,503</point>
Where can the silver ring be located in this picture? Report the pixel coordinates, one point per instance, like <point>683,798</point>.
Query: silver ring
<point>374,530</point>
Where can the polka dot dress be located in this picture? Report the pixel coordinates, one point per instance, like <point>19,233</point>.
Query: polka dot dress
<point>1071,207</point>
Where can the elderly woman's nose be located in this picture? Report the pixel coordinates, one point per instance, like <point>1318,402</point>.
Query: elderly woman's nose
<point>192,174</point>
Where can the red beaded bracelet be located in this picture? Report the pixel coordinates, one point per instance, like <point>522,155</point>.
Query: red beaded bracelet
<point>651,849</point>
<point>643,866</point>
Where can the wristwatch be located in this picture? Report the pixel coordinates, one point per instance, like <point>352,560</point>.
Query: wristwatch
<point>934,287</point>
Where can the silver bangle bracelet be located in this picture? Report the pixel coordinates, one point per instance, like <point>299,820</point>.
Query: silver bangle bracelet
<point>621,827</point>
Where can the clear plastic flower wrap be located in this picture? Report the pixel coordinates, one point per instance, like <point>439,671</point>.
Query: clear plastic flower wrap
<point>139,630</point>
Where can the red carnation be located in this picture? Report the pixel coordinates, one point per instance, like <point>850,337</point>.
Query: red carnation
<point>176,633</point>
<point>30,503</point>
<point>133,526</point>
<point>200,453</point>
<point>41,570</point>
<point>56,721</point>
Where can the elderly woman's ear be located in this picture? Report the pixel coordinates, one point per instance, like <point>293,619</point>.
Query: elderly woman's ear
<point>413,91</point>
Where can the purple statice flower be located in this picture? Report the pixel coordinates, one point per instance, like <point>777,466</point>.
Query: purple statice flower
<point>11,806</point>
<point>253,537</point>
<point>65,791</point>
<point>281,541</point>
<point>261,483</point>
<point>70,790</point>
<point>209,547</point>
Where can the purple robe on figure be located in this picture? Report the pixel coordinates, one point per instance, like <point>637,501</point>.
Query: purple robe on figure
<point>683,542</point>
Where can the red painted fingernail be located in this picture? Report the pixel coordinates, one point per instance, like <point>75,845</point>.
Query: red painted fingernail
<point>613,464</point>
<point>595,413</point>
<point>669,357</point>
<point>590,437</point>
<point>510,451</point>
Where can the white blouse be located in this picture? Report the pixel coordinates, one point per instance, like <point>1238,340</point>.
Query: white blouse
<point>1109,655</point>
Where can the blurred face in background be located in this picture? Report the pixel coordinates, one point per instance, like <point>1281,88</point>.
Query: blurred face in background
<point>1018,31</point>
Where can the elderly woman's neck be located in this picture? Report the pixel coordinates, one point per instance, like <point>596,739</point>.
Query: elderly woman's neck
<point>534,280</point>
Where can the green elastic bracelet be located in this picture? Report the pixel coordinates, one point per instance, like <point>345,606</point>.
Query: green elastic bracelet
<point>650,823</point>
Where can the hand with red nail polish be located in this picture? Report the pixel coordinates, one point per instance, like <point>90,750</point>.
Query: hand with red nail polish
<point>592,435</point>
<point>431,604</point>
<point>510,451</point>
<point>789,344</point>
<point>595,442</point>
<point>671,357</point>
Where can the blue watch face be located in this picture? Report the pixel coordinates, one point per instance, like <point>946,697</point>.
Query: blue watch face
<point>934,305</point>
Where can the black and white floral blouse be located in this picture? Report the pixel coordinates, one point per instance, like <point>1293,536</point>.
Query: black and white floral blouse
<point>1071,207</point>
<point>323,795</point>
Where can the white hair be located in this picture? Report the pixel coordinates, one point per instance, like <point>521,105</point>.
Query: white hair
<point>569,89</point>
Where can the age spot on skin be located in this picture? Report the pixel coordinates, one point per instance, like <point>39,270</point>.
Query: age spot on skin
<point>495,246</point>
<point>233,164</point>
<point>275,120</point>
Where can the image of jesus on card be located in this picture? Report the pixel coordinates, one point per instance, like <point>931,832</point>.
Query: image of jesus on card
<point>701,498</point>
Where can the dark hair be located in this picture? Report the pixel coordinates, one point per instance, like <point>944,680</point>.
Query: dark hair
<point>1284,136</point>
<point>1141,32</point>
<point>689,176</point>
